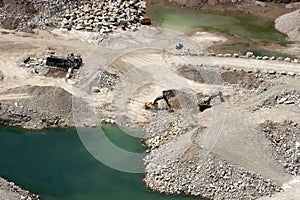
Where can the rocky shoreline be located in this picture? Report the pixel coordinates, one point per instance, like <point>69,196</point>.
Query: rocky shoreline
<point>170,170</point>
<point>10,191</point>
<point>211,176</point>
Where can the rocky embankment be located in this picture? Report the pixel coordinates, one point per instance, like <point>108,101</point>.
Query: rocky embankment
<point>101,16</point>
<point>10,191</point>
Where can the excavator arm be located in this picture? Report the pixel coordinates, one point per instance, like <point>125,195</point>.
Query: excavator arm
<point>160,98</point>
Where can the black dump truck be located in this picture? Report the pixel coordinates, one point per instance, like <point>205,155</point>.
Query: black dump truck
<point>70,61</point>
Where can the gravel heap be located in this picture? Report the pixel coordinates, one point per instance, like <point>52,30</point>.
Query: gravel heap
<point>289,24</point>
<point>29,14</point>
<point>107,80</point>
<point>285,140</point>
<point>8,190</point>
<point>45,107</point>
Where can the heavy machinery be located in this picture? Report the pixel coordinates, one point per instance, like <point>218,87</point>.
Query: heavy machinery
<point>204,103</point>
<point>165,96</point>
<point>71,61</point>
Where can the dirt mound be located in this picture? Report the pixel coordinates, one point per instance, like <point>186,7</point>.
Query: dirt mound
<point>191,73</point>
<point>247,80</point>
<point>42,107</point>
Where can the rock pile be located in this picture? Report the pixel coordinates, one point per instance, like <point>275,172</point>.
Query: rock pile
<point>107,80</point>
<point>105,16</point>
<point>285,140</point>
<point>161,135</point>
<point>8,190</point>
<point>211,178</point>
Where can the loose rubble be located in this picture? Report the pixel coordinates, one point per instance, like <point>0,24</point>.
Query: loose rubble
<point>285,140</point>
<point>158,135</point>
<point>107,80</point>
<point>285,97</point>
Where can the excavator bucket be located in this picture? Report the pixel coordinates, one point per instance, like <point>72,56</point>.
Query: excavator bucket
<point>149,105</point>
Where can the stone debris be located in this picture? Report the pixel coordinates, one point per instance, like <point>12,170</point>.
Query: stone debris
<point>285,140</point>
<point>162,135</point>
<point>35,65</point>
<point>286,97</point>
<point>106,79</point>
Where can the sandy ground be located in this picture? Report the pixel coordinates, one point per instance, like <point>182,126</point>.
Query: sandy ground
<point>17,45</point>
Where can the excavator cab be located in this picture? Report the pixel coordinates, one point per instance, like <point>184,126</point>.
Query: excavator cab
<point>205,102</point>
<point>149,105</point>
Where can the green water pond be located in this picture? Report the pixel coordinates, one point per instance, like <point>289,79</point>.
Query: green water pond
<point>55,164</point>
<point>230,23</point>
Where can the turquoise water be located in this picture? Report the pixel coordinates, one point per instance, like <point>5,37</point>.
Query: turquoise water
<point>230,23</point>
<point>54,164</point>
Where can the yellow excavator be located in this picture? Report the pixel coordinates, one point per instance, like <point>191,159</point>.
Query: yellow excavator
<point>166,94</point>
<point>204,103</point>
